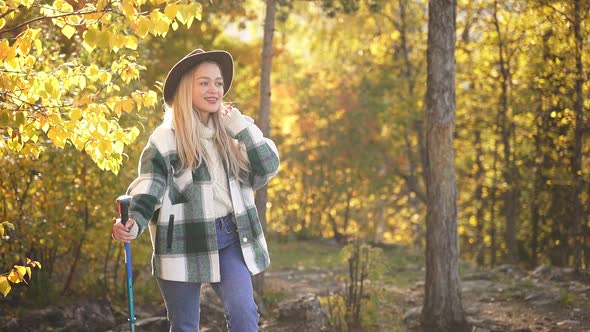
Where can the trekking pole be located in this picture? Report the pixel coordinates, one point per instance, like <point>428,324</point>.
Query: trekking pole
<point>123,207</point>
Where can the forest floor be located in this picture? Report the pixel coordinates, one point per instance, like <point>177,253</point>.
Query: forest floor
<point>503,299</point>
<point>506,298</point>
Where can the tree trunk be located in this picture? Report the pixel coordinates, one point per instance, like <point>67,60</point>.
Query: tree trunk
<point>506,128</point>
<point>578,138</point>
<point>264,115</point>
<point>537,187</point>
<point>493,190</point>
<point>443,309</point>
<point>479,200</point>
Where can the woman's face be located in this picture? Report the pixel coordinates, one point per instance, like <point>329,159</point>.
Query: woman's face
<point>207,88</point>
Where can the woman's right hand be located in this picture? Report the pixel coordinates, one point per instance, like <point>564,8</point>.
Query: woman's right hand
<point>124,233</point>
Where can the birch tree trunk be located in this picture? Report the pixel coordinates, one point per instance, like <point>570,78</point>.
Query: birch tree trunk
<point>443,309</point>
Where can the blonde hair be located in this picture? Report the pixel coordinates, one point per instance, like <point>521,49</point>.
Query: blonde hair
<point>184,119</point>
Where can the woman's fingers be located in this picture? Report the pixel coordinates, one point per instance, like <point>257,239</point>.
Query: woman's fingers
<point>121,232</point>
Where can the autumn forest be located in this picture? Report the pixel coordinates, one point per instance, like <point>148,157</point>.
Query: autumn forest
<point>80,93</point>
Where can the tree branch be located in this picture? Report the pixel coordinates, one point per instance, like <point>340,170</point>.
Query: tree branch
<point>36,19</point>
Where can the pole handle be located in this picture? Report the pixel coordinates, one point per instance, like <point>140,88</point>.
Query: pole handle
<point>123,203</point>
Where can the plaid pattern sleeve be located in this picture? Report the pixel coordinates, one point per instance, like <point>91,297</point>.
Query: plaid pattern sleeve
<point>148,188</point>
<point>261,151</point>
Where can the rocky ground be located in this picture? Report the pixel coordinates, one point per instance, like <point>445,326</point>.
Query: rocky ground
<point>503,299</point>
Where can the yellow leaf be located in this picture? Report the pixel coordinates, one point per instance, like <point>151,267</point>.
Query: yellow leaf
<point>171,10</point>
<point>180,17</point>
<point>103,127</point>
<point>23,44</point>
<point>111,103</point>
<point>89,37</point>
<point>16,274</point>
<point>62,6</point>
<point>33,34</point>
<point>100,4</point>
<point>92,72</point>
<point>189,22</point>
<point>4,286</point>
<point>131,42</point>
<point>82,82</point>
<point>128,105</point>
<point>142,28</point>
<point>75,114</point>
<point>27,3</point>
<point>128,9</point>
<point>160,23</point>
<point>68,31</point>
<point>150,98</point>
<point>2,23</point>
<point>38,47</point>
<point>137,97</point>
<point>103,38</point>
<point>118,147</point>
<point>105,77</point>
<point>4,47</point>
<point>198,10</point>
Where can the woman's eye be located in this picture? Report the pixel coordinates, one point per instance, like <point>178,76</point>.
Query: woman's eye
<point>219,84</point>
<point>203,83</point>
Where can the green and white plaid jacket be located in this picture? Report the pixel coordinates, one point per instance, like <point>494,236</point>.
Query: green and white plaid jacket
<point>183,230</point>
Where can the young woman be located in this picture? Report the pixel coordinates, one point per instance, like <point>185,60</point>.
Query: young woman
<point>194,192</point>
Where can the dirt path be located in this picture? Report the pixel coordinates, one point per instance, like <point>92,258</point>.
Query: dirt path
<point>493,301</point>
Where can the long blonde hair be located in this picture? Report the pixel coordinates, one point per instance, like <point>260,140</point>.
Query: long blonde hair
<point>184,119</point>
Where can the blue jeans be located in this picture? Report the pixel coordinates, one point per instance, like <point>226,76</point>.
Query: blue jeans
<point>235,290</point>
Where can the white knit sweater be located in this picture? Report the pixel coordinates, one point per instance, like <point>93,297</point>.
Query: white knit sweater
<point>221,196</point>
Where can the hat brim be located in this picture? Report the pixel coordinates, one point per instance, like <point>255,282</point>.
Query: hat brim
<point>222,58</point>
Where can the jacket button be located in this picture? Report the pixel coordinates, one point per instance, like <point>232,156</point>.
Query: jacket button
<point>245,239</point>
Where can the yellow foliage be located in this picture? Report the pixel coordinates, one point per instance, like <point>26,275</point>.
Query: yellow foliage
<point>68,31</point>
<point>3,225</point>
<point>18,274</point>
<point>44,94</point>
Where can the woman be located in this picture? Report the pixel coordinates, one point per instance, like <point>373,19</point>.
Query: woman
<point>194,191</point>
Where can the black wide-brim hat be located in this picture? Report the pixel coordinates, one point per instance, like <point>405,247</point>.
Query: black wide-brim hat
<point>222,58</point>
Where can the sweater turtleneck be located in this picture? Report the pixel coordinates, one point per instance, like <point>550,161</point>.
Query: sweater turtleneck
<point>221,197</point>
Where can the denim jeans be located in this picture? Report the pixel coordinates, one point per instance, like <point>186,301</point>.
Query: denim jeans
<point>235,290</point>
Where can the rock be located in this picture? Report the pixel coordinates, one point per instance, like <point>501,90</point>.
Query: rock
<point>91,316</point>
<point>505,268</point>
<point>51,317</point>
<point>152,324</point>
<point>568,322</point>
<point>511,270</point>
<point>479,276</point>
<point>542,297</point>
<point>413,313</point>
<point>475,285</point>
<point>480,329</point>
<point>541,271</point>
<point>578,288</point>
<point>304,314</point>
